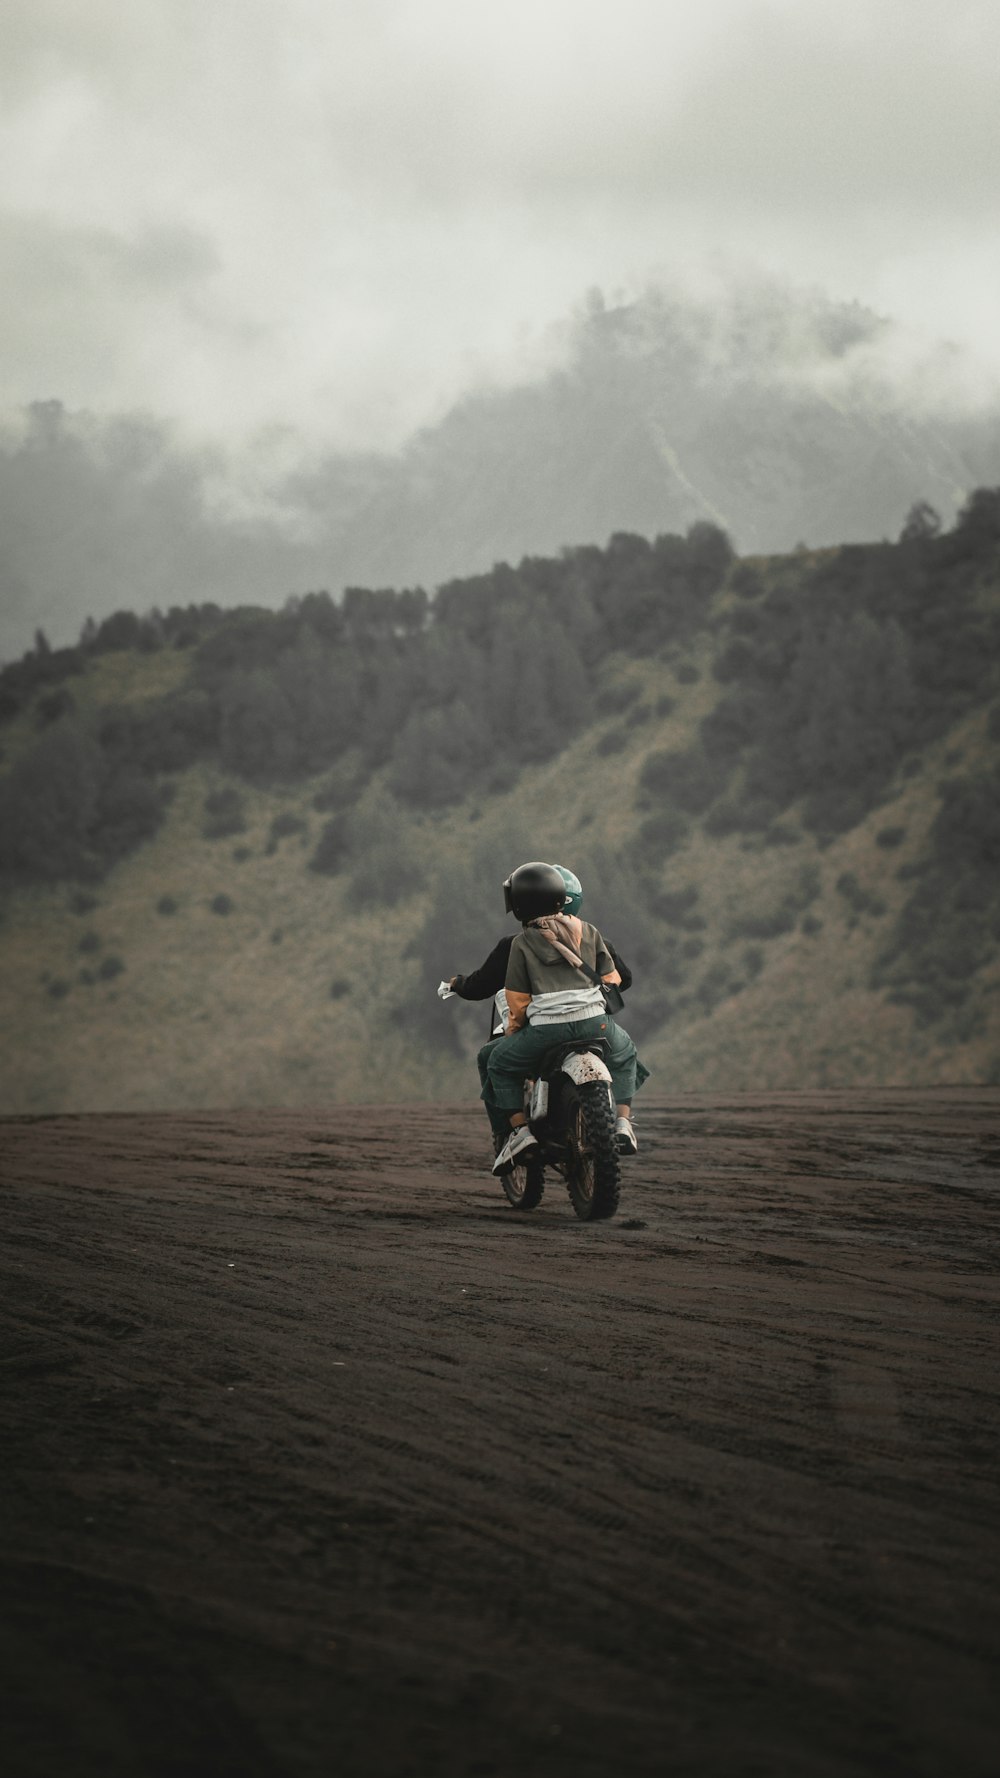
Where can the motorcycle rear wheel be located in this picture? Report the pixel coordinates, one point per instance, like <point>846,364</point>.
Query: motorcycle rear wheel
<point>523,1186</point>
<point>593,1169</point>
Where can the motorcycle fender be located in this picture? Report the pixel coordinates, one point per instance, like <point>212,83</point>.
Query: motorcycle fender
<point>584,1069</point>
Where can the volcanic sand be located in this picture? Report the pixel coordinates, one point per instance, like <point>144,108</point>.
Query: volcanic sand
<point>321,1459</point>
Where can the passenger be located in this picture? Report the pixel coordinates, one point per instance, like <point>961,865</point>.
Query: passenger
<point>487,983</point>
<point>556,970</point>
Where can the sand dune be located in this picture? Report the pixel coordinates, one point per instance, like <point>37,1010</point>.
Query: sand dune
<point>321,1459</point>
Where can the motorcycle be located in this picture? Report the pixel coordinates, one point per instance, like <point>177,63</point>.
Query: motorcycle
<point>571,1110</point>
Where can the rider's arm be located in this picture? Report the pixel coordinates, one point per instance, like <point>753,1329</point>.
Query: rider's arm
<point>606,967</point>
<point>489,978</point>
<point>622,967</point>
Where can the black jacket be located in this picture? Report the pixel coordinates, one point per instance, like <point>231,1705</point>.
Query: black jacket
<point>490,977</point>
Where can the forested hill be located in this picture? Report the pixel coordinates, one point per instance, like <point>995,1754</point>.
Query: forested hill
<point>228,837</point>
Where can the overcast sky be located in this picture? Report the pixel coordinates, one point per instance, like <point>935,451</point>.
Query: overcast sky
<point>333,215</point>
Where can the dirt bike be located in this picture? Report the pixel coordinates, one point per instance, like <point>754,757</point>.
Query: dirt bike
<point>571,1109</point>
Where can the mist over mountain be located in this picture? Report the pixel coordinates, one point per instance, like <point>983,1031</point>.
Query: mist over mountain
<point>782,416</point>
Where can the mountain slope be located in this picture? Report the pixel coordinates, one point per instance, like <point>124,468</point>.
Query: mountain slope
<point>784,807</point>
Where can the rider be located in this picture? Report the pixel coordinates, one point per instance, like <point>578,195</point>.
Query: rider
<point>486,982</point>
<point>555,970</point>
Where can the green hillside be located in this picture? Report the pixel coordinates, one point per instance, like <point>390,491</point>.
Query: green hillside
<point>240,849</point>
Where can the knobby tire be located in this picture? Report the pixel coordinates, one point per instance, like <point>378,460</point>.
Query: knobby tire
<point>593,1172</point>
<point>523,1186</point>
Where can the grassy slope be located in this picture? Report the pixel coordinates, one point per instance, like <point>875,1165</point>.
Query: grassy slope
<point>237,1009</point>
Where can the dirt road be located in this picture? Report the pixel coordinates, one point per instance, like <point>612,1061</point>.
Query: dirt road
<point>321,1459</point>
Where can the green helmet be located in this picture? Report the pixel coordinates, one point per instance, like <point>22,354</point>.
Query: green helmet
<point>574,890</point>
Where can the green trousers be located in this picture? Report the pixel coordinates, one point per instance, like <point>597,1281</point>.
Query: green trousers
<point>507,1062</point>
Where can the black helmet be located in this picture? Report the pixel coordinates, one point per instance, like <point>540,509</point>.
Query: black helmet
<point>533,890</point>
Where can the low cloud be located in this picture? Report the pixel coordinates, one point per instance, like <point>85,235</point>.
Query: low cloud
<point>333,218</point>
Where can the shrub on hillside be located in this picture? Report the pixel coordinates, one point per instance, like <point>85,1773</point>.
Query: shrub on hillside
<point>257,736</point>
<point>746,581</point>
<point>109,968</point>
<point>332,848</point>
<point>49,804</point>
<point>167,904</point>
<point>732,727</point>
<point>384,877</point>
<point>921,524</point>
<point>222,903</point>
<point>286,823</point>
<point>42,666</point>
<point>714,987</point>
<point>660,834</point>
<point>615,740</point>
<point>710,556</point>
<point>737,660</point>
<point>123,629</point>
<point>167,736</point>
<point>675,905</point>
<point>806,885</point>
<point>688,780</point>
<point>225,814</point>
<point>859,900</point>
<point>769,923</point>
<point>54,704</point>
<point>616,699</point>
<point>745,621</point>
<point>385,868</point>
<point>342,787</point>
<point>801,889</point>
<point>130,809</point>
<point>741,814</point>
<point>977,528</point>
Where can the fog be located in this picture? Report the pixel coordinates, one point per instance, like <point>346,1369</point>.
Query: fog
<point>336,218</point>
<point>265,239</point>
<point>767,409</point>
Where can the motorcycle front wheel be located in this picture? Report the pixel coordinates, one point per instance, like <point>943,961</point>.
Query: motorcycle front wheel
<point>593,1170</point>
<point>523,1186</point>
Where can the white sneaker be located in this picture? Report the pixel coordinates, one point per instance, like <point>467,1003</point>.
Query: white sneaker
<point>518,1140</point>
<point>625,1141</point>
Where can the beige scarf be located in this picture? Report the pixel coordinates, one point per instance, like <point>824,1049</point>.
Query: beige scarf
<point>563,931</point>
